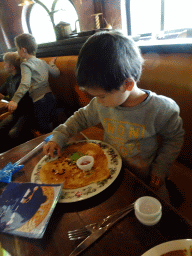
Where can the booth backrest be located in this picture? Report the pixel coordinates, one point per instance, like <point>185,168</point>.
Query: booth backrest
<point>168,74</point>
<point>65,87</point>
<point>171,75</point>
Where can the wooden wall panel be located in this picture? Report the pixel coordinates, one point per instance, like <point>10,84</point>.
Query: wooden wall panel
<point>10,19</point>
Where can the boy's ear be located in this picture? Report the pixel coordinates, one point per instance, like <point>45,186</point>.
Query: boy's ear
<point>128,84</point>
<point>23,49</point>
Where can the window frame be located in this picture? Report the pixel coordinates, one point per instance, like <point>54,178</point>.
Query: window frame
<point>50,13</point>
<point>72,46</point>
<point>27,17</point>
<point>148,35</point>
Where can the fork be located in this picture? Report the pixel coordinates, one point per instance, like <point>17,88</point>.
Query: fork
<point>88,229</point>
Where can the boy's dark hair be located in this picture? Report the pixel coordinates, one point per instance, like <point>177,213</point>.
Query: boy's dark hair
<point>13,58</point>
<point>107,59</point>
<point>28,42</point>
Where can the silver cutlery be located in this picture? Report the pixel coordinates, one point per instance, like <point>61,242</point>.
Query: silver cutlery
<point>88,229</point>
<point>96,233</point>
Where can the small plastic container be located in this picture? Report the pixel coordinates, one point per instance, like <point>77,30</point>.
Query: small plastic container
<point>148,210</point>
<point>85,163</point>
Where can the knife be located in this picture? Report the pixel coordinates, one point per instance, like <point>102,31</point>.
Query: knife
<point>95,235</point>
<point>88,241</point>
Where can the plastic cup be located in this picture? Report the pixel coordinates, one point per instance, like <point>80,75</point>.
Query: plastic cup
<point>85,163</point>
<point>148,210</point>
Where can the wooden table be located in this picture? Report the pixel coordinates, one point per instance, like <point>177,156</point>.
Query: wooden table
<point>127,237</point>
<point>3,107</point>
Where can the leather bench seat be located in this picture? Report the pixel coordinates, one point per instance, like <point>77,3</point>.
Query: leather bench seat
<point>166,74</point>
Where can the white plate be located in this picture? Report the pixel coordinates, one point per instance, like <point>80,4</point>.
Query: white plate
<point>169,246</point>
<point>75,195</point>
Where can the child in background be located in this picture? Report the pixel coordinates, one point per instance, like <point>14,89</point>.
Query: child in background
<point>108,67</point>
<point>34,79</point>
<point>11,66</point>
<point>15,128</point>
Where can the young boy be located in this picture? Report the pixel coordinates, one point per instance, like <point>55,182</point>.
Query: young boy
<point>108,67</point>
<point>13,129</point>
<point>12,67</point>
<point>34,79</point>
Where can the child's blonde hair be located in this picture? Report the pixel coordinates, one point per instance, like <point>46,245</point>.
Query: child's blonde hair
<point>13,58</point>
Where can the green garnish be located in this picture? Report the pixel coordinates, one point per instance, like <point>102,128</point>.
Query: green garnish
<point>75,156</point>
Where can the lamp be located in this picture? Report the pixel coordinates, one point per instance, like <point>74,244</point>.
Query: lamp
<point>25,2</point>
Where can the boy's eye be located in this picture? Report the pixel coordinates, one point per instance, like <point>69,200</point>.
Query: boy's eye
<point>101,97</point>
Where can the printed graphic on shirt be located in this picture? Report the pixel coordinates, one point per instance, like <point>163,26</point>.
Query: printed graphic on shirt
<point>125,137</point>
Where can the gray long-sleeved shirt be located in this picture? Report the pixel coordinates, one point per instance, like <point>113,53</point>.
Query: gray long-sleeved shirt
<point>134,131</point>
<point>34,78</point>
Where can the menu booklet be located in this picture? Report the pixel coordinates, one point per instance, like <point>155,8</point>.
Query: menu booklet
<point>25,208</point>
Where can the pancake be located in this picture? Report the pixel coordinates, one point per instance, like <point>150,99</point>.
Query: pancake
<point>64,169</point>
<point>176,253</point>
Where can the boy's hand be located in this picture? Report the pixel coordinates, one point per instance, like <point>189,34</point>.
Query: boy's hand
<point>12,106</point>
<point>53,60</point>
<point>50,147</point>
<point>155,182</point>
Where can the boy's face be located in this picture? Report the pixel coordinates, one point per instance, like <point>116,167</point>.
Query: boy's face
<point>9,68</point>
<point>109,99</point>
<point>21,52</point>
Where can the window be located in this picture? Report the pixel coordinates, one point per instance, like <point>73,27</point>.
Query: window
<point>160,19</point>
<point>40,18</point>
<point>177,14</point>
<point>146,18</point>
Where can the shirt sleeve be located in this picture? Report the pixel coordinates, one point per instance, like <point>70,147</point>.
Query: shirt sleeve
<point>82,119</point>
<point>53,70</point>
<point>24,85</point>
<point>172,138</point>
